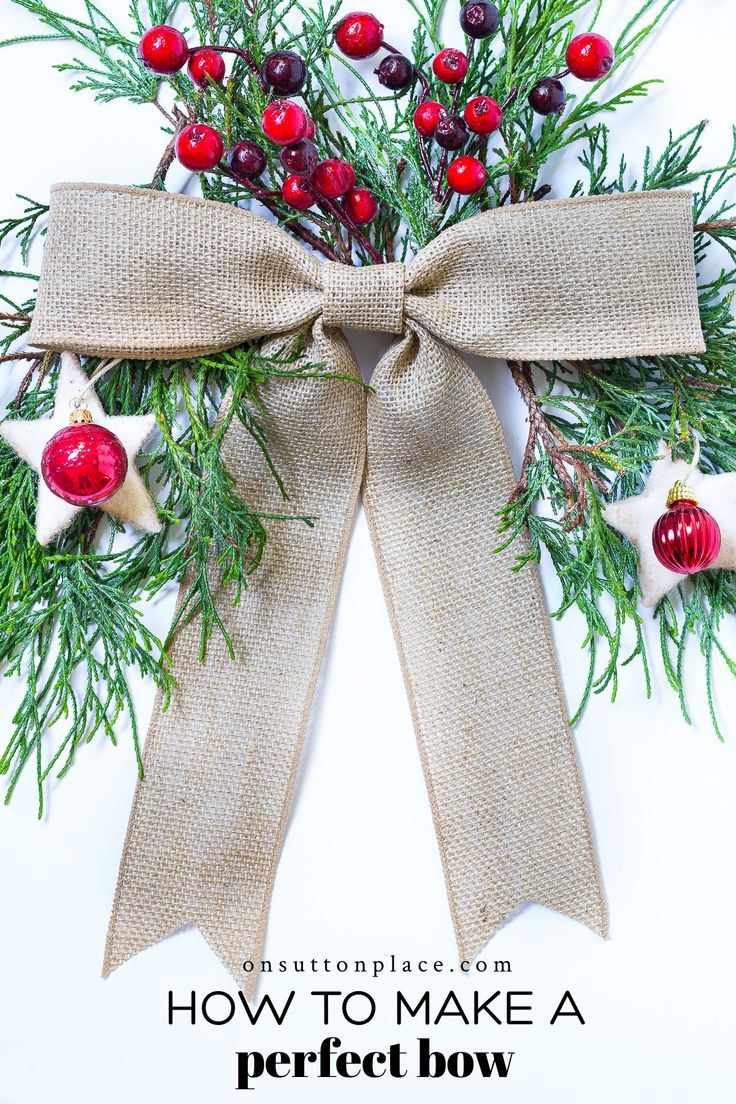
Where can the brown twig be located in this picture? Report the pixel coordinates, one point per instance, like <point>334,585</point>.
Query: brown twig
<point>267,199</point>
<point>717,224</point>
<point>211,17</point>
<point>573,472</point>
<point>15,318</point>
<point>18,356</point>
<point>25,382</point>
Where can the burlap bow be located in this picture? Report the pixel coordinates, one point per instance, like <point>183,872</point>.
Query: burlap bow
<point>137,273</point>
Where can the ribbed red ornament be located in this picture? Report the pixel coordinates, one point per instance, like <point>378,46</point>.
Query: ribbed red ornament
<point>686,538</point>
<point>84,464</point>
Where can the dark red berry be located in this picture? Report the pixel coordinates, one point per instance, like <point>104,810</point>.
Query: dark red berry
<point>163,49</point>
<point>466,175</point>
<point>333,178</point>
<point>284,122</point>
<point>199,147</point>
<point>360,206</point>
<point>301,158</point>
<point>359,35</point>
<point>450,66</point>
<point>297,192</point>
<point>451,133</point>
<point>206,64</point>
<point>482,115</point>
<point>427,116</point>
<point>589,56</point>
<point>548,96</point>
<point>247,159</point>
<point>479,18</point>
<point>395,72</point>
<point>285,72</point>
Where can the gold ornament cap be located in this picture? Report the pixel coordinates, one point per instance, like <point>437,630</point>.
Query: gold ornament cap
<point>680,491</point>
<point>80,415</point>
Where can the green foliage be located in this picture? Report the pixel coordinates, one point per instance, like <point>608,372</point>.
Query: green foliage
<point>70,615</point>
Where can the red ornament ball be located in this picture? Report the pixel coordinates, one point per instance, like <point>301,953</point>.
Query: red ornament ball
<point>84,464</point>
<point>199,147</point>
<point>466,175</point>
<point>297,192</point>
<point>450,66</point>
<point>204,64</point>
<point>359,35</point>
<point>686,538</point>
<point>427,116</point>
<point>589,56</point>
<point>333,178</point>
<point>360,206</point>
<point>163,50</point>
<point>482,115</point>
<point>284,122</point>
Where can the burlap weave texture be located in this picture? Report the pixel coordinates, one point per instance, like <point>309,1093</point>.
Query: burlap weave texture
<point>135,273</point>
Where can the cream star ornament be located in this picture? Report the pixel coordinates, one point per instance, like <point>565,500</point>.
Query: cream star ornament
<point>132,503</point>
<point>635,518</point>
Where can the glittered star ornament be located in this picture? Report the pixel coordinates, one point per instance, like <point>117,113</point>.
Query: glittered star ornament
<point>131,503</point>
<point>635,517</point>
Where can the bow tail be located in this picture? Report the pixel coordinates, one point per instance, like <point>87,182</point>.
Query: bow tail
<point>475,648</point>
<point>209,816</point>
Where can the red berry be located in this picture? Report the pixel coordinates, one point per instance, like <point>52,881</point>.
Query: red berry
<point>427,116</point>
<point>284,122</point>
<point>163,49</point>
<point>297,192</point>
<point>482,115</point>
<point>285,72</point>
<point>589,56</point>
<point>547,97</point>
<point>450,66</point>
<point>479,18</point>
<point>84,464</point>
<point>395,72</point>
<point>451,133</point>
<point>360,206</point>
<point>199,147</point>
<point>204,64</point>
<point>247,159</point>
<point>301,158</point>
<point>333,178</point>
<point>359,35</point>
<point>466,175</point>
<point>310,128</point>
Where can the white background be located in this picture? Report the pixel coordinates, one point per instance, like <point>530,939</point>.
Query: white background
<point>360,875</point>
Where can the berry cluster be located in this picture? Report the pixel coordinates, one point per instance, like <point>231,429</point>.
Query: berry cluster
<point>331,183</point>
<point>589,57</point>
<point>360,35</point>
<point>308,181</point>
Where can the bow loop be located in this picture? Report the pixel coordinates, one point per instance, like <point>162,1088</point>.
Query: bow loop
<point>368,298</point>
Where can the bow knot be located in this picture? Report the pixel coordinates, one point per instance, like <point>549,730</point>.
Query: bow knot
<point>368,298</point>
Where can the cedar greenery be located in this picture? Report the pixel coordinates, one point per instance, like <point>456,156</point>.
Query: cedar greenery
<point>71,615</point>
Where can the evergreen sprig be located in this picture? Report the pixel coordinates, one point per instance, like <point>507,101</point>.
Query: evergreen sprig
<point>71,615</point>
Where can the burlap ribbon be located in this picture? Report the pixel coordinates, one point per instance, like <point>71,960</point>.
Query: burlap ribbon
<point>137,273</point>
